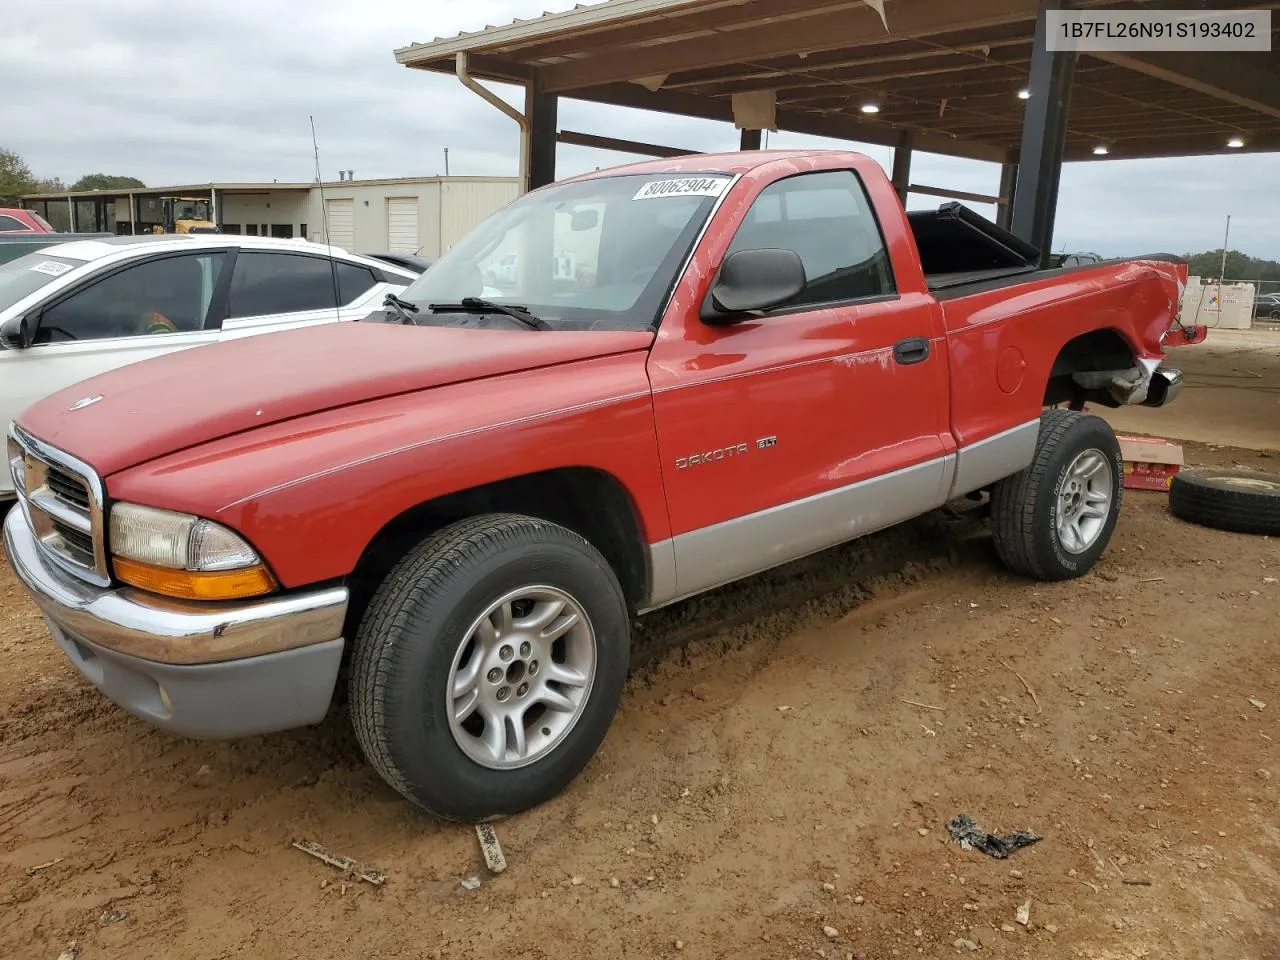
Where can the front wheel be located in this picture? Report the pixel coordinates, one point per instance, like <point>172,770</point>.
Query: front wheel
<point>1053,519</point>
<point>488,666</point>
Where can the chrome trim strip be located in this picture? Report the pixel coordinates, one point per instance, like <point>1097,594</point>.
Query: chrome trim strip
<point>995,457</point>
<point>153,628</point>
<point>59,511</point>
<point>99,573</point>
<point>733,549</point>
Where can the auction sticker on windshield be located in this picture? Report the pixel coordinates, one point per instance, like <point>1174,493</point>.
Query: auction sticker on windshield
<point>684,187</point>
<point>51,267</point>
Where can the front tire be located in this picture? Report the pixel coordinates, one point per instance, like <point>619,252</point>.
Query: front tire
<point>489,665</point>
<point>1054,519</point>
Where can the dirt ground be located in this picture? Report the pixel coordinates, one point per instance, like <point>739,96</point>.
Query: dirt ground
<point>767,790</point>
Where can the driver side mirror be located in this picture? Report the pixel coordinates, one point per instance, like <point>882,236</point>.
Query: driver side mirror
<point>754,280</point>
<point>18,333</point>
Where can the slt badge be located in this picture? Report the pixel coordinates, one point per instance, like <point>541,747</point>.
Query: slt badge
<point>85,402</point>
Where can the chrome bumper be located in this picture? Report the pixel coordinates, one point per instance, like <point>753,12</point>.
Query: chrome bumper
<point>1165,385</point>
<point>199,669</point>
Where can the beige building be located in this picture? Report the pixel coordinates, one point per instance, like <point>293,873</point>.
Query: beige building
<point>415,215</point>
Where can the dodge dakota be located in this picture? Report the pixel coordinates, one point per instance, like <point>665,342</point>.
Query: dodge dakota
<point>694,370</point>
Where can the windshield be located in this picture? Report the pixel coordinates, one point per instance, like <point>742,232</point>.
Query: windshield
<point>24,276</point>
<point>191,210</point>
<point>597,254</point>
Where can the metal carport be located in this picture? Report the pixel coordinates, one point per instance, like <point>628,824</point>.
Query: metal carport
<point>955,77</point>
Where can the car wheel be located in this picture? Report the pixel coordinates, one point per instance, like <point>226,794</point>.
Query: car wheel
<point>1243,501</point>
<point>1053,519</point>
<point>489,665</point>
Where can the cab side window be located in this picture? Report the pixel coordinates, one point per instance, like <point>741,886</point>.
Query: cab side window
<point>159,296</point>
<point>827,219</point>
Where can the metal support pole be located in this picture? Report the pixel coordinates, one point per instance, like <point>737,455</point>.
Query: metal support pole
<point>1044,136</point>
<point>542,110</point>
<point>750,140</point>
<point>133,214</point>
<point>1008,182</point>
<point>213,206</point>
<point>902,165</point>
<point>71,215</point>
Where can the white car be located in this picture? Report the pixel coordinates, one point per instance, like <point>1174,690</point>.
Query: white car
<point>73,310</point>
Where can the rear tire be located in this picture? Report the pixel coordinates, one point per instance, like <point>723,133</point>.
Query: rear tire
<point>1242,501</point>
<point>1054,519</point>
<point>489,665</point>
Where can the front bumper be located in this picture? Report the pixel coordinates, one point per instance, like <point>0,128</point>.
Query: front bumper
<point>196,669</point>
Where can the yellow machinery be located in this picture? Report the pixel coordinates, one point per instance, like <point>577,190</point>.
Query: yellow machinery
<point>177,215</point>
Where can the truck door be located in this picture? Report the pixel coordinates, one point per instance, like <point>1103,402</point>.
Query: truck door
<point>822,420</point>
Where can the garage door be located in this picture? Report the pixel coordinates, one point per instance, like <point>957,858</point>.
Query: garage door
<point>342,227</point>
<point>402,225</point>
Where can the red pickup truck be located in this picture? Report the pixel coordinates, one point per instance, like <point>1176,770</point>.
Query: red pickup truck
<point>619,391</point>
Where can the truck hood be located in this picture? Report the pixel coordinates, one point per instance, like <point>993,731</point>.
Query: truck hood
<point>156,407</point>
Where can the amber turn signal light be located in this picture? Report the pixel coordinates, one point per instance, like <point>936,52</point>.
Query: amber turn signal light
<point>196,585</point>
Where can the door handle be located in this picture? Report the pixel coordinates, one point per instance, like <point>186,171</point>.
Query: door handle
<point>911,350</point>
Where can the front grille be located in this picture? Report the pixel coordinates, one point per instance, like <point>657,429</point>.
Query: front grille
<point>62,500</point>
<point>67,488</point>
<point>77,544</point>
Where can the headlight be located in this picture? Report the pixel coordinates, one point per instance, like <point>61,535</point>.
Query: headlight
<point>180,555</point>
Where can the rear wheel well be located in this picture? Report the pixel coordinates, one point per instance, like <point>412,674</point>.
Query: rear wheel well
<point>590,502</point>
<point>1093,352</point>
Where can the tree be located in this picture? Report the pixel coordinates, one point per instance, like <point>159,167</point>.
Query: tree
<point>1240,266</point>
<point>105,181</point>
<point>15,178</point>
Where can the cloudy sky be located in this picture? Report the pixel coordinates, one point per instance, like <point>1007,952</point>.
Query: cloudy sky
<point>182,91</point>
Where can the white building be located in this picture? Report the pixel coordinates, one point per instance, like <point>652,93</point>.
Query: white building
<point>422,215</point>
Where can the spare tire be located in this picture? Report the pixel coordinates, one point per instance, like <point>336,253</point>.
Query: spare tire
<point>1243,501</point>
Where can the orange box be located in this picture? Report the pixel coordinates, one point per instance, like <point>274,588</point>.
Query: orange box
<point>1150,462</point>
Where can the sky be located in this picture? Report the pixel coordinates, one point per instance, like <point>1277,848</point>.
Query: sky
<point>192,91</point>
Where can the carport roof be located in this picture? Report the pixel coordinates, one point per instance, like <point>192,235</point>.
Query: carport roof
<point>185,190</point>
<point>948,71</point>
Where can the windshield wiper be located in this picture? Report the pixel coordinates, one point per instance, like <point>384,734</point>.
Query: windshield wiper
<point>476,305</point>
<point>402,308</point>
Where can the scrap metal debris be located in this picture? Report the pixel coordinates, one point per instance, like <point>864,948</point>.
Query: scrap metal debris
<point>345,864</point>
<point>32,871</point>
<point>470,883</point>
<point>970,836</point>
<point>1257,703</point>
<point>490,847</point>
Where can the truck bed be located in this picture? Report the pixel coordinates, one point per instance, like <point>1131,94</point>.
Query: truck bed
<point>963,253</point>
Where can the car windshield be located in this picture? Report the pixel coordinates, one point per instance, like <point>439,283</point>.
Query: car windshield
<point>25,275</point>
<point>597,254</point>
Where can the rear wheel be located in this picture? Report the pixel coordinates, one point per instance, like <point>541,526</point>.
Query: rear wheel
<point>1053,519</point>
<point>488,666</point>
